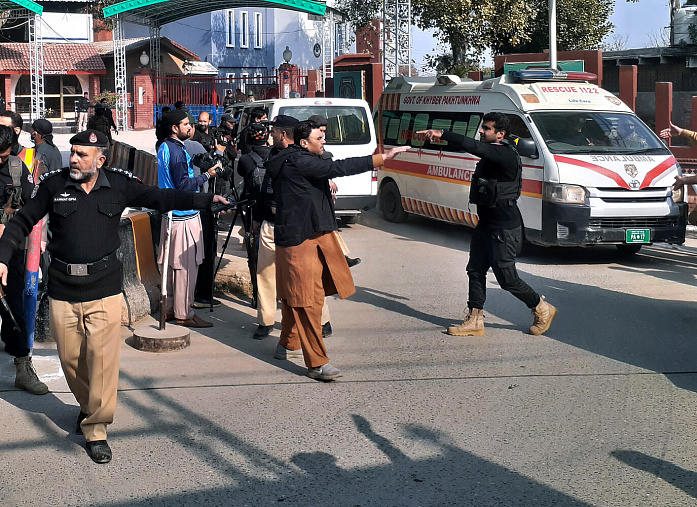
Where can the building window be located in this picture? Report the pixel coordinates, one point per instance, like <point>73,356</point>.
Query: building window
<point>258,30</point>
<point>257,77</point>
<point>244,29</point>
<point>230,28</point>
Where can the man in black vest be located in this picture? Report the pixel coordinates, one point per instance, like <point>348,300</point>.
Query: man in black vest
<point>498,236</point>
<point>17,185</point>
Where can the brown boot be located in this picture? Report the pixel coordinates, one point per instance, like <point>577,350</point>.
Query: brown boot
<point>27,378</point>
<point>544,314</point>
<point>472,326</point>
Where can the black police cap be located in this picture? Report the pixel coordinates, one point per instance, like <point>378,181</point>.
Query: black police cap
<point>90,138</point>
<point>284,121</point>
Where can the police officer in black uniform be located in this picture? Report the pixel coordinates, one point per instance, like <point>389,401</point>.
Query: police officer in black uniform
<point>16,192</point>
<point>84,203</point>
<point>497,238</point>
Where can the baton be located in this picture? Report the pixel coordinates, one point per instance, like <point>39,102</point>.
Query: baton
<point>3,299</point>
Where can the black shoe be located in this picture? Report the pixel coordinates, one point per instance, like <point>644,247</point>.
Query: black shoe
<point>262,332</point>
<point>205,303</point>
<point>99,451</point>
<point>326,330</point>
<point>352,262</point>
<point>81,417</point>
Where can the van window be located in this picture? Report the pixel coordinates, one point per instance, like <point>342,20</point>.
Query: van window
<point>345,124</point>
<point>399,127</point>
<point>591,132</point>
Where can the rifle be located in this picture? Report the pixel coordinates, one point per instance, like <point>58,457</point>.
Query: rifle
<point>165,265</point>
<point>3,300</point>
<point>251,244</point>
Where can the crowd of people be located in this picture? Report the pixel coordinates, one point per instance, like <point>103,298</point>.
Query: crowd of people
<point>298,253</point>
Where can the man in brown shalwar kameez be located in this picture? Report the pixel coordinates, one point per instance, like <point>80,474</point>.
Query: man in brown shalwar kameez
<point>309,261</point>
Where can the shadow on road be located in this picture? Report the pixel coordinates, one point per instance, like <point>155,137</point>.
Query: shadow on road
<point>450,476</point>
<point>686,480</point>
<point>650,333</point>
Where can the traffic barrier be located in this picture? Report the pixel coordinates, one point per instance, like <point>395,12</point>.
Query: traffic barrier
<point>146,266</point>
<point>139,162</point>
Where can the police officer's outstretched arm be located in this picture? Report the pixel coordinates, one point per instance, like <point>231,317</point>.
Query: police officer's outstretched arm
<point>326,168</point>
<point>167,199</point>
<point>478,148</point>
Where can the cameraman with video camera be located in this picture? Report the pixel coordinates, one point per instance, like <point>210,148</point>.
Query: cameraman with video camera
<point>223,135</point>
<point>257,115</point>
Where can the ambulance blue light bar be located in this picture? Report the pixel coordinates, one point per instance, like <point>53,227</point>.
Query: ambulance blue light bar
<point>550,75</point>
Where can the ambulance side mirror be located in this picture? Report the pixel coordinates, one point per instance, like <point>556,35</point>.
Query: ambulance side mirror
<point>526,147</point>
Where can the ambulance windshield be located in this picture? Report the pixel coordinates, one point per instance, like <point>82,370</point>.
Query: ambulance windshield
<point>596,132</point>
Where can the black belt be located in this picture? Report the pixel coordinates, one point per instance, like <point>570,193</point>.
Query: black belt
<point>83,269</point>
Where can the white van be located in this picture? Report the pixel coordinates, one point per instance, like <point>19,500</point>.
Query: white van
<point>350,133</point>
<point>593,173</point>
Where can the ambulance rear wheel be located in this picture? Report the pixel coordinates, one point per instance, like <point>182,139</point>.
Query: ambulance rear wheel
<point>391,203</point>
<point>628,250</point>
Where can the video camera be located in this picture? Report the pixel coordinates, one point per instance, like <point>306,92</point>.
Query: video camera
<point>221,136</point>
<point>207,160</point>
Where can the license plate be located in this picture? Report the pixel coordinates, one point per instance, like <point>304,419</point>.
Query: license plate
<point>638,235</point>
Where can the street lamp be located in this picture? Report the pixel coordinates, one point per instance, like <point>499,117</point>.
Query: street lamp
<point>144,59</point>
<point>287,54</point>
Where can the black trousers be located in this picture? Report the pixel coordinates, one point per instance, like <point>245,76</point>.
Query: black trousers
<point>497,249</point>
<point>16,343</point>
<point>204,281</point>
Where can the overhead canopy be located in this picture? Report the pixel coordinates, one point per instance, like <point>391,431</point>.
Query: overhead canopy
<point>162,12</point>
<point>8,5</point>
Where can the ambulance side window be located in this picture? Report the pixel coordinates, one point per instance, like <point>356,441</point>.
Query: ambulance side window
<point>392,130</point>
<point>473,126</point>
<point>404,129</point>
<point>465,124</point>
<point>518,127</point>
<point>420,123</point>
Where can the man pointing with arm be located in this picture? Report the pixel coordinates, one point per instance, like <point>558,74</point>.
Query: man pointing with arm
<point>498,236</point>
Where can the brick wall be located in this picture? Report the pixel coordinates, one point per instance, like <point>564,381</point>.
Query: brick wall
<point>143,113</point>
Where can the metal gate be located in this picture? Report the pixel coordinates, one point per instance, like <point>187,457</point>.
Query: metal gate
<point>206,91</point>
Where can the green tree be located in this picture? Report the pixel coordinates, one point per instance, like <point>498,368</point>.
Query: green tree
<point>471,26</point>
<point>581,24</point>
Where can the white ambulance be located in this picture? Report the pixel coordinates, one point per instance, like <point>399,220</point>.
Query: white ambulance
<point>593,173</point>
<point>350,133</point>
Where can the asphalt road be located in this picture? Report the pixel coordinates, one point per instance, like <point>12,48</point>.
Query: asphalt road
<point>600,411</point>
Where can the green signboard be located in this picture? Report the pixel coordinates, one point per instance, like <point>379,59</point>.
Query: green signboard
<point>349,85</point>
<point>567,65</point>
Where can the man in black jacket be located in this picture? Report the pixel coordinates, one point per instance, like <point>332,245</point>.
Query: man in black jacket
<point>309,262</point>
<point>84,204</point>
<point>264,213</point>
<point>498,236</point>
<point>83,108</point>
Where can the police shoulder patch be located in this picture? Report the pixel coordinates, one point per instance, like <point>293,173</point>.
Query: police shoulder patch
<point>123,172</point>
<point>50,174</point>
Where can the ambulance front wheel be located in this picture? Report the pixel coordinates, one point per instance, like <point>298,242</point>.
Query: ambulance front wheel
<point>391,203</point>
<point>628,250</point>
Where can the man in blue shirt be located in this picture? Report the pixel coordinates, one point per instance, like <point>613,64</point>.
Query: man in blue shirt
<point>175,170</point>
